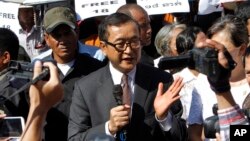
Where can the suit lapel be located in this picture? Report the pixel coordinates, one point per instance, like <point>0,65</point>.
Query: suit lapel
<point>142,85</point>
<point>106,87</point>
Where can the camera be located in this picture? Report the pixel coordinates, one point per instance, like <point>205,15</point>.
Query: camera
<point>23,70</point>
<point>204,60</point>
<point>21,73</point>
<point>11,127</point>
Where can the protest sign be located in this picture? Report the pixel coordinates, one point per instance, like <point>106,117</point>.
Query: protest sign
<point>8,16</point>
<point>164,6</point>
<point>93,8</point>
<point>209,6</point>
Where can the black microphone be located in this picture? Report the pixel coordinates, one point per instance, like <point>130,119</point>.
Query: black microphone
<point>117,92</point>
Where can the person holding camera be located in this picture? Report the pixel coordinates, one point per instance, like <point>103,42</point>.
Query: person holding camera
<point>229,112</point>
<point>17,105</point>
<point>231,32</point>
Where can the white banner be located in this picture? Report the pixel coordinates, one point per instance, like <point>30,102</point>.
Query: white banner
<point>8,16</point>
<point>209,6</point>
<point>164,6</point>
<point>92,8</point>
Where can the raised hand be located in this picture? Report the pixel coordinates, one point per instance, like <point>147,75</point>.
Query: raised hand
<point>164,100</point>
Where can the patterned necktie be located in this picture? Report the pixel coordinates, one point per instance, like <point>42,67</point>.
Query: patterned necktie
<point>126,97</point>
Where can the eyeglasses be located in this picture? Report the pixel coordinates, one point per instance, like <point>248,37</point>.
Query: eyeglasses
<point>134,44</point>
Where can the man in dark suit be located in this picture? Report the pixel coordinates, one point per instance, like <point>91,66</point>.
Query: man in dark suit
<point>149,114</point>
<point>61,36</point>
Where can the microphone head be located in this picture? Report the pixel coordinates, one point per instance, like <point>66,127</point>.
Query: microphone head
<point>117,92</point>
<point>117,89</point>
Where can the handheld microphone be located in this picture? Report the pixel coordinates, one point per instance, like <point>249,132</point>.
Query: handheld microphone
<point>117,92</point>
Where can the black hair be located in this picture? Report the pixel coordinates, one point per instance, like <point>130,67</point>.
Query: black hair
<point>9,42</point>
<point>185,40</point>
<point>243,10</point>
<point>234,26</point>
<point>115,19</point>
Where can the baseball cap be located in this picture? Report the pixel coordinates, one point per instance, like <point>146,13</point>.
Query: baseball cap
<point>57,16</point>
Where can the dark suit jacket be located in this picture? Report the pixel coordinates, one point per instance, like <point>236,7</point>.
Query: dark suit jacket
<point>56,126</point>
<point>93,98</point>
<point>18,104</point>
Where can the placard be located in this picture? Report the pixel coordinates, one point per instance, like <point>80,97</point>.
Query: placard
<point>93,8</point>
<point>9,16</point>
<point>209,6</point>
<point>164,6</point>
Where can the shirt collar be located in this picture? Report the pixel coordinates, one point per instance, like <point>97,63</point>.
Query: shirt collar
<point>117,75</point>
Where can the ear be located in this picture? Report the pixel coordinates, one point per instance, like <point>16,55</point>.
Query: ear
<point>243,49</point>
<point>46,38</point>
<point>6,57</point>
<point>103,47</point>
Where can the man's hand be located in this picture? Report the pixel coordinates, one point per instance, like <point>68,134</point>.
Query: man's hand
<point>163,101</point>
<point>119,118</point>
<point>46,93</point>
<point>223,60</point>
<point>226,65</point>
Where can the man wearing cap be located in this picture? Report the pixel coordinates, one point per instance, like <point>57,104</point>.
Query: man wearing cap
<point>30,36</point>
<point>61,36</point>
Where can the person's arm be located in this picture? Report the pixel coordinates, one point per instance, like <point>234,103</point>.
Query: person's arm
<point>43,95</point>
<point>229,112</point>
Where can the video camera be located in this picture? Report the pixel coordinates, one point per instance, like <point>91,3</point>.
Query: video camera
<point>204,60</point>
<point>22,73</point>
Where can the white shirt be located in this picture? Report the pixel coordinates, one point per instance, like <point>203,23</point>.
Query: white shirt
<point>29,40</point>
<point>65,67</point>
<point>188,95</point>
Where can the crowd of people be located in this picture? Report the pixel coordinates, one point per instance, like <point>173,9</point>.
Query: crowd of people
<point>116,91</point>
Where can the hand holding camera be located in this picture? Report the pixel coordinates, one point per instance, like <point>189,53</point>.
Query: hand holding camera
<point>226,65</point>
<point>43,95</point>
<point>46,93</point>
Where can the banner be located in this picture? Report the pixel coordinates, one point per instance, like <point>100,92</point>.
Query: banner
<point>164,6</point>
<point>8,16</point>
<point>86,8</point>
<point>209,6</point>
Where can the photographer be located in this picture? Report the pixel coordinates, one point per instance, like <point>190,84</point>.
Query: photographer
<point>15,106</point>
<point>229,112</point>
<point>43,95</point>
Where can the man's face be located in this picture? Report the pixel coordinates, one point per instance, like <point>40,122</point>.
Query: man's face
<point>247,69</point>
<point>63,42</point>
<point>145,27</point>
<point>26,16</point>
<point>125,60</point>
